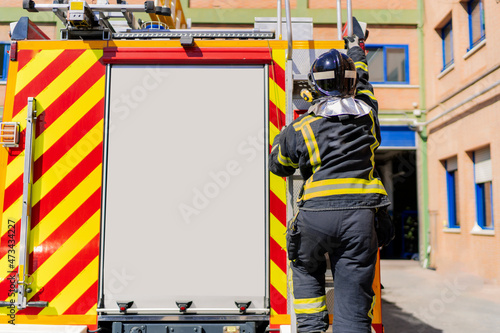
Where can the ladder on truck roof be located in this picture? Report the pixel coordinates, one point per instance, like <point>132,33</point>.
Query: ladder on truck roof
<point>94,21</point>
<point>97,21</point>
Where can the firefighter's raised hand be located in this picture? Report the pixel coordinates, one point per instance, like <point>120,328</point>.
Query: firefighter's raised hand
<point>351,41</point>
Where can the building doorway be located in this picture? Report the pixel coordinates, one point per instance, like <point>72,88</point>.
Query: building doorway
<point>398,171</point>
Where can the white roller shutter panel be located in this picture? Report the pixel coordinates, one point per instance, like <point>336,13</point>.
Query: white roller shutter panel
<point>482,165</point>
<point>451,164</point>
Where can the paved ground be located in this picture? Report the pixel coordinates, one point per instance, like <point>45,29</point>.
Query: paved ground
<point>419,300</point>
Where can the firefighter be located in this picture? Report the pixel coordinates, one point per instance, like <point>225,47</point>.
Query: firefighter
<point>333,145</point>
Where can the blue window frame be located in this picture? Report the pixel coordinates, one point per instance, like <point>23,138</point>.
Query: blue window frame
<point>476,22</point>
<point>4,60</point>
<point>483,188</point>
<point>452,191</point>
<point>447,45</point>
<point>388,64</point>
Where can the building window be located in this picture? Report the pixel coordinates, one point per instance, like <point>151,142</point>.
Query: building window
<point>388,64</point>
<point>4,60</point>
<point>476,22</point>
<point>484,189</point>
<point>452,191</point>
<point>447,44</point>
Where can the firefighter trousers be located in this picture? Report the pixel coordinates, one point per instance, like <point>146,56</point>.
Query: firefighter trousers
<point>349,238</point>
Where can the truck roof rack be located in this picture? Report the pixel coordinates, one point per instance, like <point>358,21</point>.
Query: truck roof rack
<point>98,21</point>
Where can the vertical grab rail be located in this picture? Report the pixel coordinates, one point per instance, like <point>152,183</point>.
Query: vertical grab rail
<point>349,18</point>
<point>289,30</point>
<point>288,119</point>
<point>26,210</point>
<point>278,21</point>
<point>339,19</point>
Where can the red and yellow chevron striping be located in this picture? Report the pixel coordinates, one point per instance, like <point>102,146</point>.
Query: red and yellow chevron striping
<point>68,85</point>
<point>278,269</point>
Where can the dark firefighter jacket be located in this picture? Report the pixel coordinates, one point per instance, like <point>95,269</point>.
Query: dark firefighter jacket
<point>335,154</point>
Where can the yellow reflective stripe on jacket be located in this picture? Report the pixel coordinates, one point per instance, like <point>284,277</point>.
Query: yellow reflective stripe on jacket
<point>373,146</point>
<point>310,140</point>
<point>361,65</point>
<point>312,146</point>
<point>286,161</point>
<point>310,305</point>
<point>368,93</point>
<point>329,187</point>
<point>303,121</point>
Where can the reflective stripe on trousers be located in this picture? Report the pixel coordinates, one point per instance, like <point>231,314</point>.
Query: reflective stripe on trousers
<point>349,237</point>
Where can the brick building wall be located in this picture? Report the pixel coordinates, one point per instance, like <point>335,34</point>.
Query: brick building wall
<point>405,34</point>
<point>461,132</point>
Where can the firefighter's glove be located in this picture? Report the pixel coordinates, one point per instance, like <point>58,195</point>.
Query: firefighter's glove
<point>351,41</point>
<point>384,227</point>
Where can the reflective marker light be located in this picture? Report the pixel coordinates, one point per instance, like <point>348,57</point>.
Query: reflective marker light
<point>231,329</point>
<point>9,134</point>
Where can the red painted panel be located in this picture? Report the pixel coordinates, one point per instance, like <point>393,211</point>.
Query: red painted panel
<point>66,185</point>
<point>25,56</point>
<point>85,302</point>
<point>277,74</point>
<point>278,208</point>
<point>278,302</point>
<point>189,55</point>
<point>63,277</point>
<point>278,254</point>
<point>276,116</point>
<point>71,225</point>
<point>47,75</point>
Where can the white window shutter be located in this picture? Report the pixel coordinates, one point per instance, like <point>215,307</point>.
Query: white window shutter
<point>451,164</point>
<point>482,165</point>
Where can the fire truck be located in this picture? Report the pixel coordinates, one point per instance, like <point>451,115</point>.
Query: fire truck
<point>135,192</point>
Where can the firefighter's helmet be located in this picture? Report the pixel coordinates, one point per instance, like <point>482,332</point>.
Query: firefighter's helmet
<point>333,74</point>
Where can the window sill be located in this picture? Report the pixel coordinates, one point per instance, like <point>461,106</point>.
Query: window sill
<point>446,71</point>
<point>452,230</point>
<point>475,49</point>
<point>477,230</point>
<point>3,83</point>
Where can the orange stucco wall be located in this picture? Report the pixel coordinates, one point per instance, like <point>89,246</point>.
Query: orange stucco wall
<point>467,128</point>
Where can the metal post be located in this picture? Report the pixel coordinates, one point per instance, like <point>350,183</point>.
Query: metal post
<point>278,22</point>
<point>289,30</point>
<point>26,208</point>
<point>349,18</point>
<point>339,19</point>
<point>266,173</point>
<point>104,187</point>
